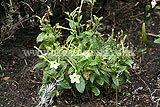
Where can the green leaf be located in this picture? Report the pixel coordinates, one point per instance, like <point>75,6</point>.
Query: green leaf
<point>81,35</point>
<point>92,77</point>
<point>41,37</point>
<point>122,68</point>
<point>79,19</point>
<point>65,84</point>
<point>142,50</point>
<point>96,71</point>
<point>38,65</point>
<point>157,7</point>
<point>106,79</point>
<point>115,81</point>
<point>157,41</point>
<point>71,69</point>
<point>83,59</point>
<point>147,8</point>
<point>45,78</point>
<point>8,81</point>
<point>144,37</point>
<point>109,70</point>
<point>94,41</point>
<point>82,63</point>
<point>158,35</point>
<point>81,86</point>
<point>126,72</point>
<point>85,41</point>
<point>100,81</point>
<point>69,38</point>
<point>129,62</point>
<point>89,33</point>
<point>71,23</point>
<point>96,91</point>
<point>1,67</point>
<point>93,62</point>
<point>74,62</point>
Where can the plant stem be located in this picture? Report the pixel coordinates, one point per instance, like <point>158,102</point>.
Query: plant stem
<point>116,97</point>
<point>73,93</point>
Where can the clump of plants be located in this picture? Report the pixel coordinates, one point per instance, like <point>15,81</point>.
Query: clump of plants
<point>85,61</point>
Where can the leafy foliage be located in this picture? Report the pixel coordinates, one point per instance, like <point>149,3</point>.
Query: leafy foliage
<point>85,61</point>
<point>157,40</point>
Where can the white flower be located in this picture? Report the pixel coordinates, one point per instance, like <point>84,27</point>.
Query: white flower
<point>74,78</point>
<point>153,3</point>
<point>54,64</point>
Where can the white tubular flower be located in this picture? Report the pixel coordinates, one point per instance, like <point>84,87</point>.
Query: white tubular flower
<point>153,3</point>
<point>74,78</point>
<point>54,64</point>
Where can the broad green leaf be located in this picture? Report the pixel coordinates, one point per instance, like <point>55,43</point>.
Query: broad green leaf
<point>106,79</point>
<point>157,7</point>
<point>69,38</point>
<point>81,35</point>
<point>115,80</point>
<point>89,33</point>
<point>41,37</point>
<point>92,77</point>
<point>65,84</point>
<point>71,23</point>
<point>96,71</point>
<point>100,81</point>
<point>71,69</point>
<point>94,42</point>
<point>129,62</point>
<point>144,37</point>
<point>93,62</point>
<point>81,86</point>
<point>157,41</point>
<point>85,41</point>
<point>96,91</point>
<point>122,68</point>
<point>41,46</point>
<point>38,65</point>
<point>83,59</point>
<point>50,72</point>
<point>82,63</point>
<point>104,72</point>
<point>109,70</point>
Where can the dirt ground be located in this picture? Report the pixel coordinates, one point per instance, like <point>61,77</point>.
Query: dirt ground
<point>142,91</point>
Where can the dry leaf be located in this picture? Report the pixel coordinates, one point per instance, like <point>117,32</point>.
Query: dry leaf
<point>86,75</point>
<point>6,78</point>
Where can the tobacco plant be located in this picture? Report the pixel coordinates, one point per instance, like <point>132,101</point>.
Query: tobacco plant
<point>85,61</point>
